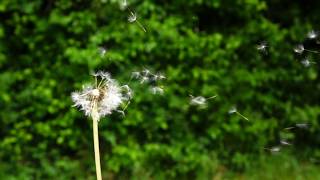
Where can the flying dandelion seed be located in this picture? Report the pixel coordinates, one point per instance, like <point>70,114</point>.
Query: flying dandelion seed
<point>233,110</point>
<point>146,72</point>
<point>306,62</point>
<point>144,79</point>
<point>159,77</point>
<point>102,51</point>
<point>284,142</point>
<point>133,18</point>
<point>288,128</point>
<point>147,76</point>
<point>199,100</point>
<point>127,92</point>
<point>262,47</point>
<point>157,90</point>
<point>135,75</point>
<point>302,125</point>
<point>123,5</point>
<point>312,34</point>
<point>299,49</point>
<point>274,149</point>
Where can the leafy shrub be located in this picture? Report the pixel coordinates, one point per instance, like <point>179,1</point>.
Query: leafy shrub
<point>48,49</point>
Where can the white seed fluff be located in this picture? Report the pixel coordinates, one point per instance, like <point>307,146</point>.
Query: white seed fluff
<point>105,95</point>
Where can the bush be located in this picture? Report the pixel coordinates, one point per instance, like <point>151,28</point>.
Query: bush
<point>48,49</point>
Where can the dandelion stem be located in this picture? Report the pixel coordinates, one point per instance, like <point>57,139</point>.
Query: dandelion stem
<point>95,119</point>
<point>242,116</point>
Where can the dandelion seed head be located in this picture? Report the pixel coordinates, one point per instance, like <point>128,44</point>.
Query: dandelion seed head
<point>299,49</point>
<point>312,34</point>
<point>104,97</point>
<point>95,93</point>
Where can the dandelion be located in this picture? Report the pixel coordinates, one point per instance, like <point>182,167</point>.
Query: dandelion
<point>262,47</point>
<point>98,100</point>
<point>312,34</point>
<point>234,110</point>
<point>299,49</point>
<point>157,90</point>
<point>132,18</point>
<point>307,63</point>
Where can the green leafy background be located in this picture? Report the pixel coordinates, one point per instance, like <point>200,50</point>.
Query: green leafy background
<point>49,48</point>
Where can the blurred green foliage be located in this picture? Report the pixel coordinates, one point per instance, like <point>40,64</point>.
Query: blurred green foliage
<point>49,48</point>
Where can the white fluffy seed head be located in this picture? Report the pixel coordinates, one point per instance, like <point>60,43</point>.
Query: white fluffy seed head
<point>95,93</point>
<point>104,96</point>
